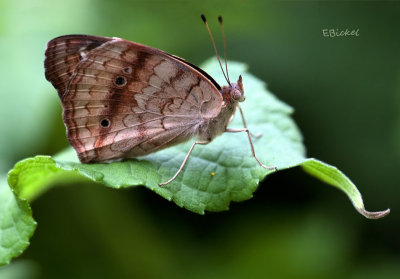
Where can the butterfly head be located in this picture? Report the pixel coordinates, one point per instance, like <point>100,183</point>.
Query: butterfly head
<point>237,90</point>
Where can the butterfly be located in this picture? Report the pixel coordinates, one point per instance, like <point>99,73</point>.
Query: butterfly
<point>123,99</point>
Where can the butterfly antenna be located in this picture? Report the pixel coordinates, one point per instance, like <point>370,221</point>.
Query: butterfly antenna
<point>223,36</point>
<point>215,48</point>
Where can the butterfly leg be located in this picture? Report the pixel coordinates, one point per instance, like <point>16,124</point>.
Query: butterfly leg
<point>245,124</point>
<point>251,145</point>
<point>184,162</point>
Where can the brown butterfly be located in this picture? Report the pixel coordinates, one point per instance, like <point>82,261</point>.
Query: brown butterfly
<point>122,99</point>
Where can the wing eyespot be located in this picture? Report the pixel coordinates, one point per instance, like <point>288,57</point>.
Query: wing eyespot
<point>128,70</point>
<point>120,81</point>
<point>105,123</point>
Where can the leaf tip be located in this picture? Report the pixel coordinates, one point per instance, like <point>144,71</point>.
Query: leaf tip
<point>373,215</point>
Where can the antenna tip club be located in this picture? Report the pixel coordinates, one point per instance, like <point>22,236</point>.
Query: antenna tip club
<point>203,18</point>
<point>220,19</point>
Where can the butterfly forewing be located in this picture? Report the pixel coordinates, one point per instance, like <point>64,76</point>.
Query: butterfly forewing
<point>63,54</point>
<point>124,99</point>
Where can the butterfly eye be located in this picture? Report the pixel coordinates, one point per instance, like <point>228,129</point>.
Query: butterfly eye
<point>236,95</point>
<point>120,81</point>
<point>105,123</point>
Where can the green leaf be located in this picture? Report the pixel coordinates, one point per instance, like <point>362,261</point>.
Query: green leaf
<point>16,224</point>
<point>335,177</point>
<point>20,269</point>
<point>216,174</point>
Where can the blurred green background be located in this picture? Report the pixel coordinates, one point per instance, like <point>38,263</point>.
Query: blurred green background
<point>346,95</point>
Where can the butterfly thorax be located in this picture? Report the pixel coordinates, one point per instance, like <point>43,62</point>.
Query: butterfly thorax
<point>232,94</point>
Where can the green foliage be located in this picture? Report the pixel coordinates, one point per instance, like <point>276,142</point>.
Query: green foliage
<point>16,224</point>
<point>216,174</point>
